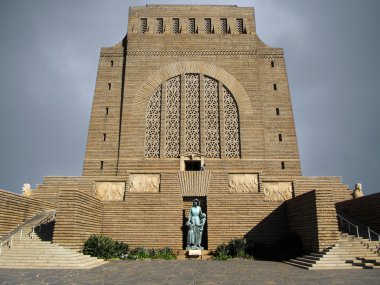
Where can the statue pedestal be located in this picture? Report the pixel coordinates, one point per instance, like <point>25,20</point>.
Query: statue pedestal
<point>194,252</point>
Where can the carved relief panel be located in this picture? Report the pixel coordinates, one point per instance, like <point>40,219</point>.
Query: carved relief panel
<point>144,183</point>
<point>277,191</point>
<point>110,191</point>
<point>243,183</point>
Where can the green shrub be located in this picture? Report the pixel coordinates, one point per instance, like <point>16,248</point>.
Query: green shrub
<point>99,246</point>
<point>138,253</point>
<point>121,249</point>
<point>237,247</point>
<point>143,253</point>
<point>167,253</point>
<point>221,252</point>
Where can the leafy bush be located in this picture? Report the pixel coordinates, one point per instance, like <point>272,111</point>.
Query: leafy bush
<point>138,253</point>
<point>167,253</point>
<point>143,253</point>
<point>221,252</point>
<point>237,247</point>
<point>121,249</point>
<point>99,246</point>
<point>104,247</point>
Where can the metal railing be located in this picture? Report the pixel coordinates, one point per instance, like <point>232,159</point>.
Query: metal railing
<point>369,234</point>
<point>37,221</point>
<point>350,225</point>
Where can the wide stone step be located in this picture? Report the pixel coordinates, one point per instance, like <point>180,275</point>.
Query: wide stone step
<point>47,261</point>
<point>54,266</point>
<point>298,265</point>
<point>45,257</point>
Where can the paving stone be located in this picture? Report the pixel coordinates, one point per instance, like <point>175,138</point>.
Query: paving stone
<point>194,272</point>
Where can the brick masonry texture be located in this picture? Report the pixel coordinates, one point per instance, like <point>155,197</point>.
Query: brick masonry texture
<point>250,83</point>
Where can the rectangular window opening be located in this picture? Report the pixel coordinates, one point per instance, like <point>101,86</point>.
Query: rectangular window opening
<point>176,26</point>
<point>223,26</point>
<point>282,164</point>
<point>160,26</point>
<point>278,111</point>
<point>192,29</point>
<point>109,86</point>
<point>111,63</point>
<point>193,165</point>
<point>280,137</point>
<point>272,63</point>
<point>275,87</point>
<point>101,164</point>
<point>143,25</point>
<point>107,109</point>
<point>208,26</point>
<point>239,26</point>
<point>104,137</point>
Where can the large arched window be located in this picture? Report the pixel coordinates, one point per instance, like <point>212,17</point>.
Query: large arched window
<point>196,111</point>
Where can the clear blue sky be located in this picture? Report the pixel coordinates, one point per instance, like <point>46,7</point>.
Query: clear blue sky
<point>49,52</point>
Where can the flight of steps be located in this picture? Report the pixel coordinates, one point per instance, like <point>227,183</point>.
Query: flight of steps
<point>38,254</point>
<point>349,253</point>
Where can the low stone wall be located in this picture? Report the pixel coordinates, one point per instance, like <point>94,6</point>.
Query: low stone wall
<point>312,216</point>
<point>365,209</point>
<point>78,216</point>
<point>15,209</point>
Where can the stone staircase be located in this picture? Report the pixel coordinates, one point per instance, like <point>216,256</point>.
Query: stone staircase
<point>35,253</point>
<point>349,253</point>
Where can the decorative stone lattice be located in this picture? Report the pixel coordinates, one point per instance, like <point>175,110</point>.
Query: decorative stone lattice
<point>212,129</point>
<point>231,125</point>
<point>192,112</point>
<point>153,123</point>
<point>192,119</point>
<point>172,128</point>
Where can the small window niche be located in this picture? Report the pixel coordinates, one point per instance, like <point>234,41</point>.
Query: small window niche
<point>143,25</point>
<point>282,164</point>
<point>280,137</point>
<point>107,110</point>
<point>239,26</point>
<point>104,137</point>
<point>193,165</point>
<point>272,63</point>
<point>160,26</point>
<point>223,26</point>
<point>175,26</point>
<point>192,162</point>
<point>191,26</point>
<point>101,164</point>
<point>208,28</point>
<point>109,86</point>
<point>111,63</point>
<point>274,86</point>
<point>278,111</point>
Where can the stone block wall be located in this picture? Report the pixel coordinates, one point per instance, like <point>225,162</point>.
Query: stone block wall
<point>365,209</point>
<point>152,220</point>
<point>312,216</point>
<point>237,215</point>
<point>16,209</point>
<point>78,216</point>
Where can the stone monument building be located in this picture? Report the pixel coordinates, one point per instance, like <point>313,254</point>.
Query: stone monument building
<point>192,104</point>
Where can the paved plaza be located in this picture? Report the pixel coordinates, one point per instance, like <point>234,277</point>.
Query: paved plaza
<point>190,272</point>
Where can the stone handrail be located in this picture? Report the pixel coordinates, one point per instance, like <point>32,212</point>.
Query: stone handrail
<point>39,219</point>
